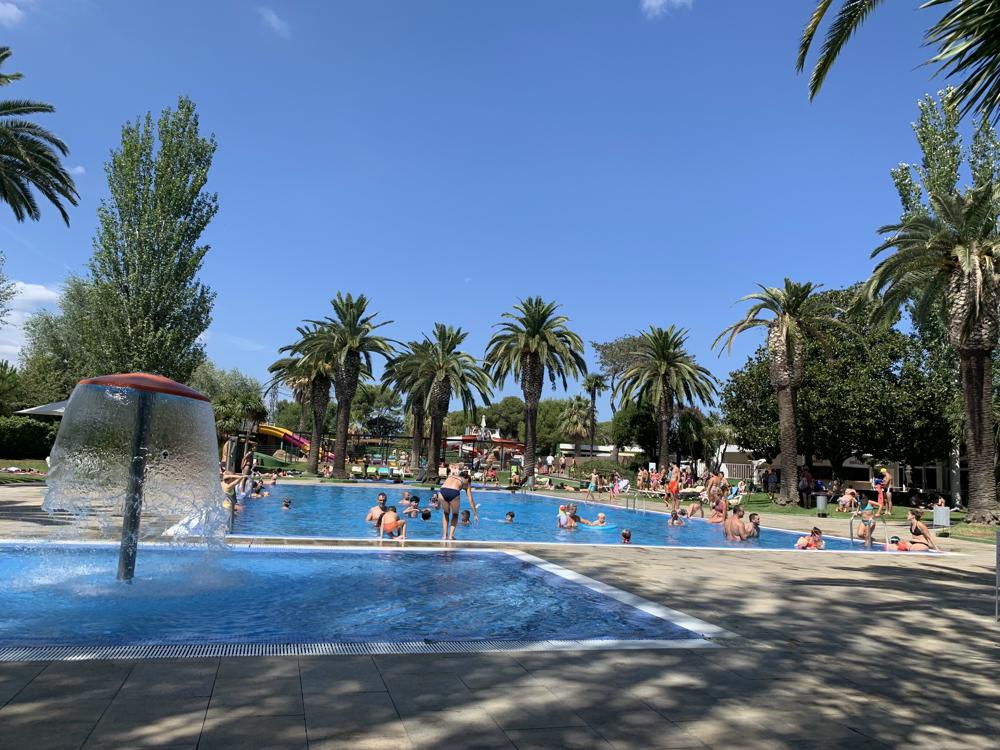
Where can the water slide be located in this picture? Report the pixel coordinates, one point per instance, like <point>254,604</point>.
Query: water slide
<point>289,437</point>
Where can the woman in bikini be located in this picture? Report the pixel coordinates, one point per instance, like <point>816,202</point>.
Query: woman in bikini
<point>451,501</point>
<point>921,537</point>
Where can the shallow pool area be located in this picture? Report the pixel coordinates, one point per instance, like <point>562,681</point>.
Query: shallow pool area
<point>61,598</point>
<point>338,512</point>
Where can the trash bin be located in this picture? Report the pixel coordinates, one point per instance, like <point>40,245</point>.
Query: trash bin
<point>821,501</point>
<point>942,517</point>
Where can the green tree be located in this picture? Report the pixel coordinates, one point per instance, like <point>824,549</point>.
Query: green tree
<point>448,372</point>
<point>548,427</point>
<point>664,373</point>
<point>614,358</point>
<point>634,424</point>
<point>403,373</point>
<point>576,422</point>
<point>146,304</point>
<point>7,291</point>
<point>594,384</point>
<point>315,372</point>
<point>795,315</point>
<point>8,387</point>
<point>235,396</point>
<point>749,405</point>
<point>30,157</point>
<point>952,253</point>
<point>965,37</point>
<point>287,415</point>
<point>343,344</point>
<point>506,415</point>
<point>530,341</point>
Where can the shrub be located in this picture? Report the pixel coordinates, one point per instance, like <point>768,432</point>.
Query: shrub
<point>23,437</point>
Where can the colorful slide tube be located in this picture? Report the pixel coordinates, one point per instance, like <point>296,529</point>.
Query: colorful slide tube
<point>290,437</point>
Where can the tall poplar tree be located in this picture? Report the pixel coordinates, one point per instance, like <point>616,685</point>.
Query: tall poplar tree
<point>146,300</point>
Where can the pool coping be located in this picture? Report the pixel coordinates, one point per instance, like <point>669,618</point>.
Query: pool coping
<point>708,634</point>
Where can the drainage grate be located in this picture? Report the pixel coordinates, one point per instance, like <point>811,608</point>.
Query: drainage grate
<point>203,650</point>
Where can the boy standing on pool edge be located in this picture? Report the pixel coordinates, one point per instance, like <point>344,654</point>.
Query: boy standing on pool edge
<point>451,501</point>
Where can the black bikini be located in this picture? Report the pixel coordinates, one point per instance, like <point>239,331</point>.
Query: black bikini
<point>449,493</point>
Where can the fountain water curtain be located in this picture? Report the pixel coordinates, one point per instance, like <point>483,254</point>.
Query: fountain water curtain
<point>141,447</point>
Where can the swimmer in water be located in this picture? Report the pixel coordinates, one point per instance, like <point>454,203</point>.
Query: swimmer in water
<point>465,520</point>
<point>813,541</point>
<point>753,527</point>
<point>378,510</point>
<point>286,504</point>
<point>509,518</point>
<point>602,520</point>
<point>391,524</point>
<point>675,519</point>
<point>626,536</point>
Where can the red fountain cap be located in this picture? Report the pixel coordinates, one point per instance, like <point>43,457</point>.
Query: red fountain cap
<point>143,381</point>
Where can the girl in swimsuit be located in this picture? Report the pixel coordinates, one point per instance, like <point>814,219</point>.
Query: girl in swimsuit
<point>921,538</point>
<point>451,492</point>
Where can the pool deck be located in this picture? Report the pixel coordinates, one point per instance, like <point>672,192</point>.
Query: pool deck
<point>834,651</point>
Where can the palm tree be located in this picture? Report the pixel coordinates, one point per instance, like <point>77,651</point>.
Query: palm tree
<point>576,421</point>
<point>403,373</point>
<point>345,343</point>
<point>664,373</point>
<point>446,372</point>
<point>29,157</point>
<point>952,253</point>
<point>595,384</point>
<point>312,375</point>
<point>965,37</point>
<point>796,313</point>
<point>531,340</point>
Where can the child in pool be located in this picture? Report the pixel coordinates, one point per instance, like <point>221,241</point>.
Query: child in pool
<point>509,518</point>
<point>464,518</point>
<point>675,519</point>
<point>391,524</point>
<point>626,536</point>
<point>602,520</point>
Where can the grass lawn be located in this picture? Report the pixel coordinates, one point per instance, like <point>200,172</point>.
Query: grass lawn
<point>22,463</point>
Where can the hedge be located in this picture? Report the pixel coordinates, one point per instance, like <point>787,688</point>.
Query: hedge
<point>23,437</point>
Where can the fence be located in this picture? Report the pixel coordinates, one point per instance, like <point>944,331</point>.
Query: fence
<point>739,471</point>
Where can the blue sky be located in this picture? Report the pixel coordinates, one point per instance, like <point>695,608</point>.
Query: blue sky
<point>640,161</point>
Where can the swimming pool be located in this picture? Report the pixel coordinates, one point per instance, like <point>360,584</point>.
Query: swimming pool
<point>62,596</point>
<point>338,511</point>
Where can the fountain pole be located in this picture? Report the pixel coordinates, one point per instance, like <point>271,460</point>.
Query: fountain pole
<point>136,480</point>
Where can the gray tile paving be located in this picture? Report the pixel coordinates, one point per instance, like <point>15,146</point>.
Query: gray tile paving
<point>835,653</point>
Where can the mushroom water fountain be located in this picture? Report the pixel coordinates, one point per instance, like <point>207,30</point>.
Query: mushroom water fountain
<point>140,448</point>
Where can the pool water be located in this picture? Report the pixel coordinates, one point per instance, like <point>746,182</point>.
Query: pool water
<point>339,511</point>
<point>68,595</point>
